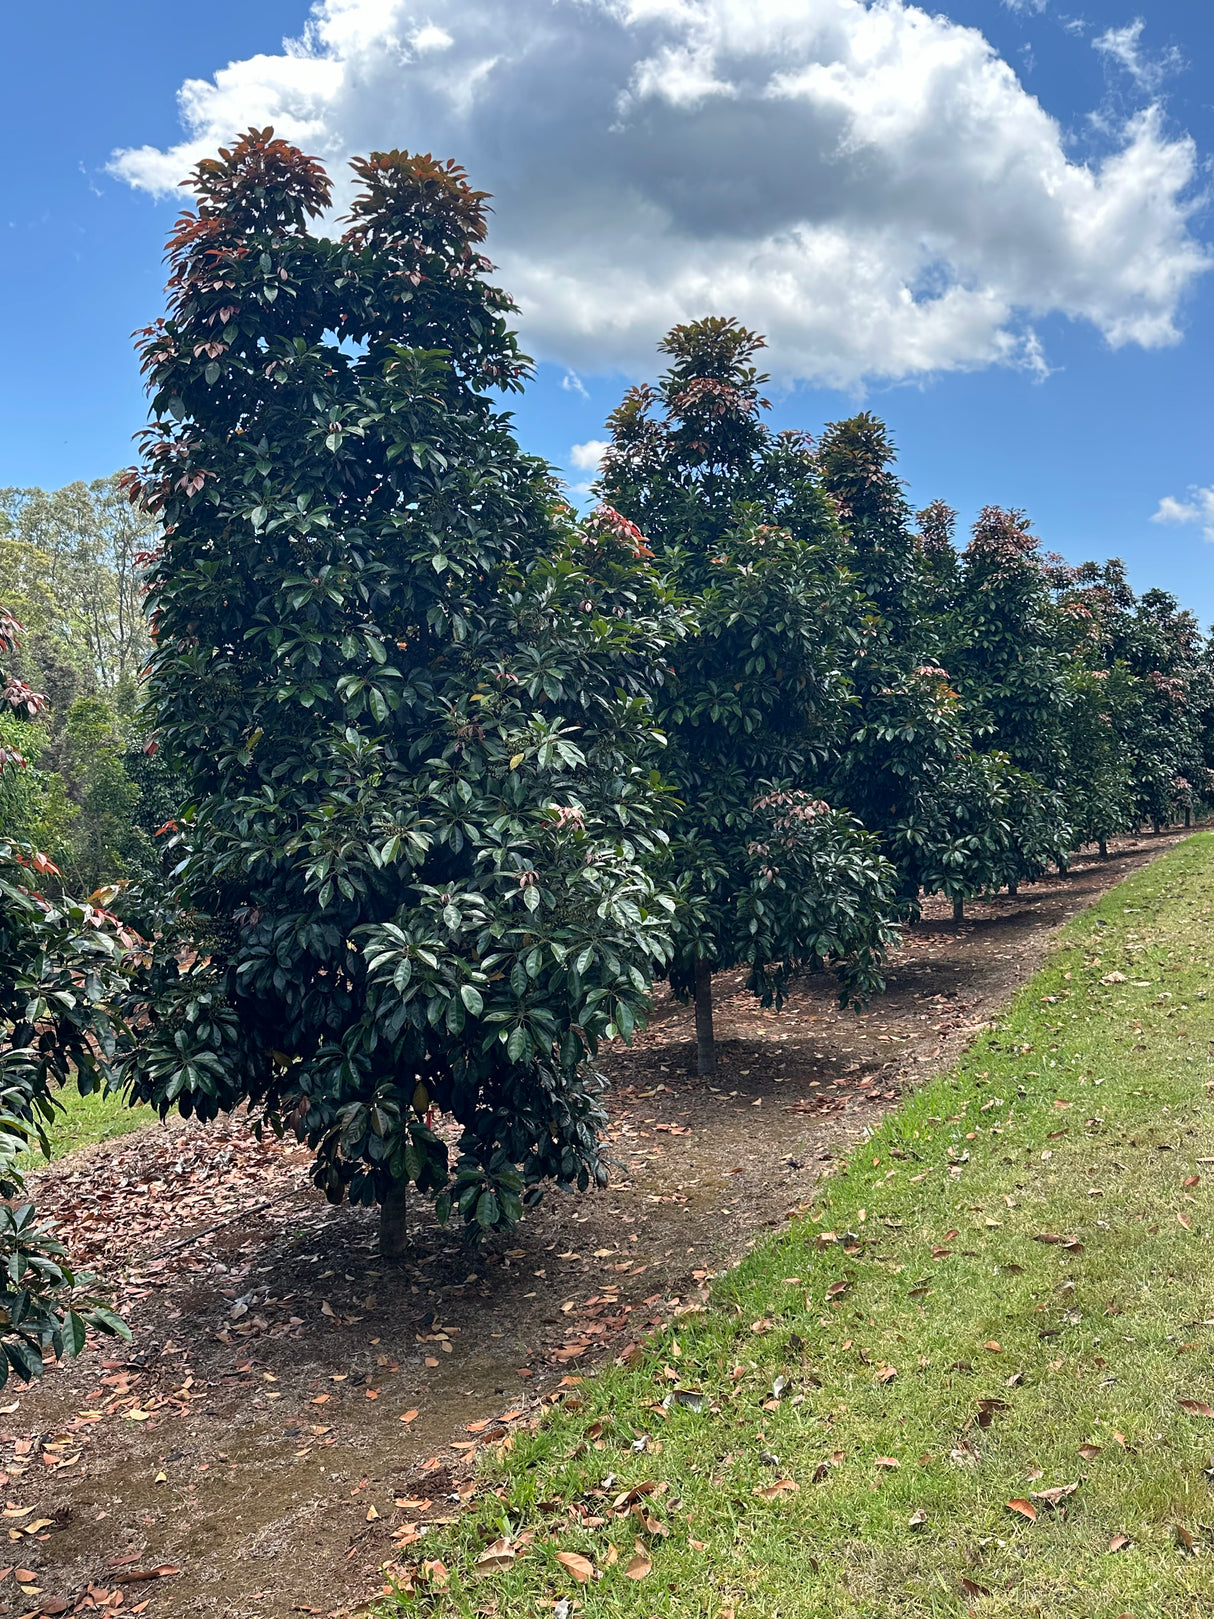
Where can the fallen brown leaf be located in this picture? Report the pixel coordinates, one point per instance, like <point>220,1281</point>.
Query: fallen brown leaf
<point>1119,1542</point>
<point>580,1567</point>
<point>1055,1496</point>
<point>639,1564</point>
<point>500,1554</point>
<point>1026,1509</point>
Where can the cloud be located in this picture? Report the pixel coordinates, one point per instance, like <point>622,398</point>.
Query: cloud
<point>869,184</point>
<point>1199,508</point>
<point>586,457</point>
<point>573,384</point>
<point>1124,46</point>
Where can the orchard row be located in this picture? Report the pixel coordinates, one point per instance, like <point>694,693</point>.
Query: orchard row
<point>462,773</point>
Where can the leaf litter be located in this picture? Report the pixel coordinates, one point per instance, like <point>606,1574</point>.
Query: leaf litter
<point>237,1278</point>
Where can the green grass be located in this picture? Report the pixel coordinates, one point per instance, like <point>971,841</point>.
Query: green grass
<point>1055,1123</point>
<point>86,1120</point>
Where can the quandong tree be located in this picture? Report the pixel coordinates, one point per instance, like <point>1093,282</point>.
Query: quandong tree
<point>409,696</point>
<point>771,877</point>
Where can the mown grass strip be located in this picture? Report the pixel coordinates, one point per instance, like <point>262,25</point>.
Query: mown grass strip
<point>85,1121</point>
<point>1005,1294</point>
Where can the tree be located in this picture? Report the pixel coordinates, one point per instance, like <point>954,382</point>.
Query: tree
<point>70,569</point>
<point>771,877</point>
<point>1154,665</point>
<point>60,966</point>
<point>409,699</point>
<point>1006,654</point>
<point>908,766</point>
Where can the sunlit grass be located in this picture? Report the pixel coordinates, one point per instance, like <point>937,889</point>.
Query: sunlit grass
<point>985,1363</point>
<point>86,1120</point>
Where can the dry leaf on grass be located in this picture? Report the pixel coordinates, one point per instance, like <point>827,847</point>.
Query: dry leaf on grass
<point>1026,1509</point>
<point>1196,1408</point>
<point>1055,1496</point>
<point>580,1567</point>
<point>639,1564</point>
<point>499,1555</point>
<point>782,1486</point>
<point>1119,1543</point>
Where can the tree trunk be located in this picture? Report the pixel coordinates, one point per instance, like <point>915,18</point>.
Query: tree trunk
<point>393,1225</point>
<point>1157,826</point>
<point>706,1050</point>
<point>959,910</point>
<point>1104,849</point>
<point>1188,817</point>
<point>1013,888</point>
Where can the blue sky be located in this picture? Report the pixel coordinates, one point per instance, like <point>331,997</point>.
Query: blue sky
<point>1032,405</point>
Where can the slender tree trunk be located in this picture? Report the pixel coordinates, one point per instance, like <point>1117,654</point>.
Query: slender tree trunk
<point>1188,817</point>
<point>1104,849</point>
<point>393,1225</point>
<point>1013,887</point>
<point>959,910</point>
<point>1157,827</point>
<point>706,1049</point>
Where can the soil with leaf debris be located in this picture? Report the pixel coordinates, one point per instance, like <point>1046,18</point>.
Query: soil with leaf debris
<point>293,1412</point>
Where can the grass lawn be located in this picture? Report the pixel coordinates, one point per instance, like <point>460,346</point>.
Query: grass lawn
<point>976,1377</point>
<point>86,1120</point>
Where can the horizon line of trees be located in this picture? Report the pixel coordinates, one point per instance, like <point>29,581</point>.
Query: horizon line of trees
<point>449,775</point>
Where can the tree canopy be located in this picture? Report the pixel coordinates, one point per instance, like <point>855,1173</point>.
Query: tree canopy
<point>771,876</point>
<point>408,697</point>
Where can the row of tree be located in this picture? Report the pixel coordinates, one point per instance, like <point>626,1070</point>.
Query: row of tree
<point>459,774</point>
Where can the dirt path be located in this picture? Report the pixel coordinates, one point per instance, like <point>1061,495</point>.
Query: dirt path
<point>293,1412</point>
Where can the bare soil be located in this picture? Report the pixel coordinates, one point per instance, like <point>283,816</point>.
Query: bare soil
<point>294,1411</point>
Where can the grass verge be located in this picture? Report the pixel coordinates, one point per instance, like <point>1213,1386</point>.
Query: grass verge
<point>86,1120</point>
<point>972,1379</point>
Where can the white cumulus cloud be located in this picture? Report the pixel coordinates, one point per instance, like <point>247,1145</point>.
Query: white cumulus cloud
<point>1198,508</point>
<point>587,457</point>
<point>869,184</point>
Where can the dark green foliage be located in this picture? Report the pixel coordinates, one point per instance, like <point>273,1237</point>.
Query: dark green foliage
<point>909,766</point>
<point>758,700</point>
<point>60,969</point>
<point>409,699</point>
